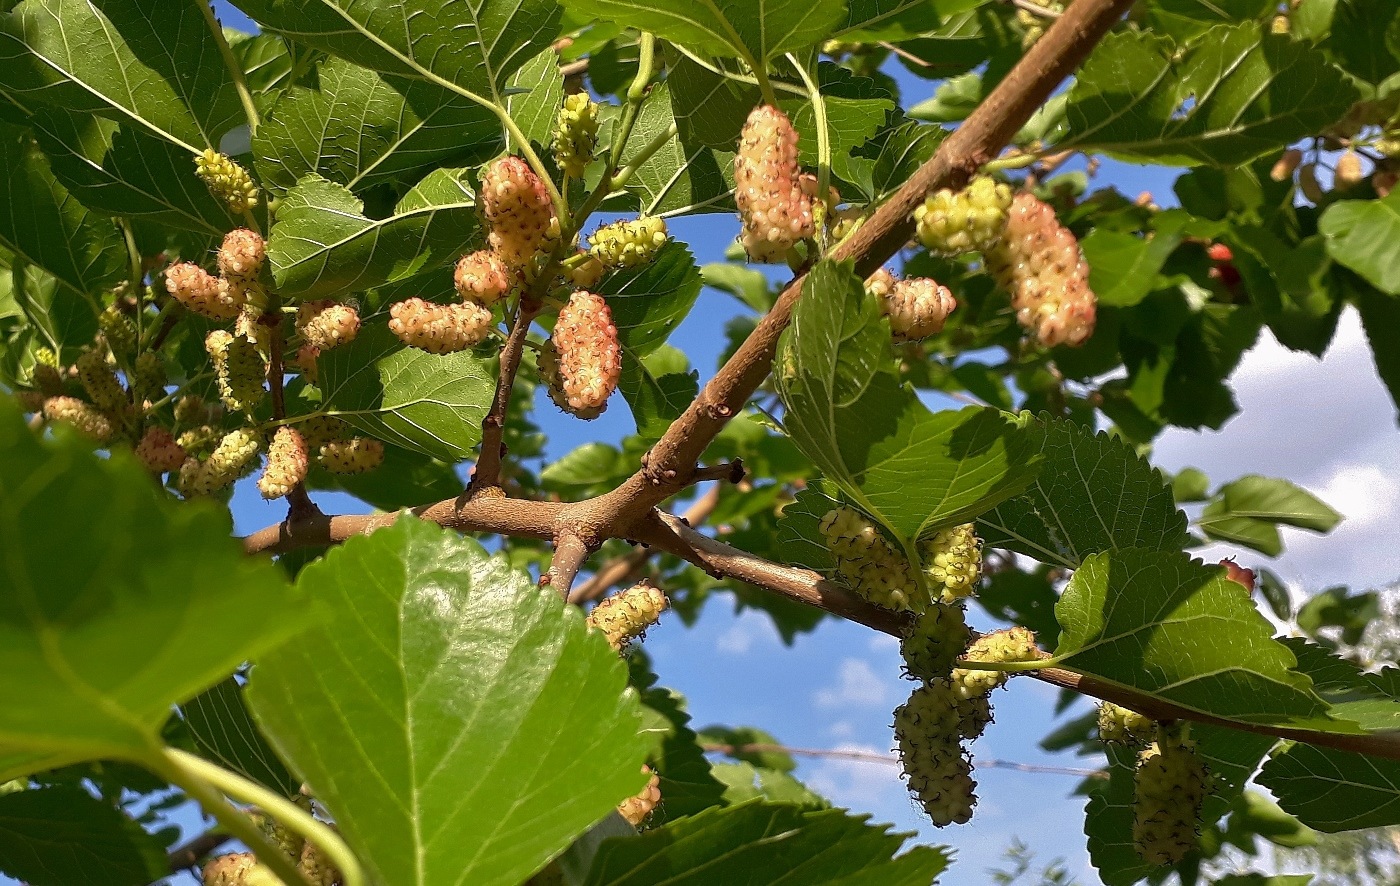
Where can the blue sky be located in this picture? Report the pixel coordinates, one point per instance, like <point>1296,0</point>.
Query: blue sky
<point>1326,424</point>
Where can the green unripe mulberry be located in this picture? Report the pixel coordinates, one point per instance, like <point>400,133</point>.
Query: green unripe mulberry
<point>234,457</point>
<point>100,382</point>
<point>576,134</point>
<point>953,222</point>
<point>47,374</point>
<point>953,561</point>
<point>1011,645</point>
<point>1170,785</point>
<point>1123,726</point>
<point>239,368</point>
<point>868,563</point>
<point>230,183</point>
<point>934,641</point>
<point>936,711</point>
<point>118,330</point>
<point>626,244</point>
<point>150,377</point>
<point>927,731</point>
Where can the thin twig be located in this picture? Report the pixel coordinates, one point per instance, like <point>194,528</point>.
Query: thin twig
<point>191,852</point>
<point>571,550</point>
<point>731,750</point>
<point>493,427</point>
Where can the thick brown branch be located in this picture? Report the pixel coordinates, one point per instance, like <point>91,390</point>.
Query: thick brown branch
<point>493,427</point>
<point>1029,85</point>
<point>628,567</point>
<point>503,516</point>
<point>570,552</point>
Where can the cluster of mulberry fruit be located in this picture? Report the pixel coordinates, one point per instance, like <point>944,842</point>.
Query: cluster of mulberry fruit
<point>1039,263</point>
<point>636,810</point>
<point>576,134</point>
<point>244,869</point>
<point>972,219</point>
<point>1120,725</point>
<point>229,182</point>
<point>774,208</point>
<point>626,244</point>
<point>868,563</point>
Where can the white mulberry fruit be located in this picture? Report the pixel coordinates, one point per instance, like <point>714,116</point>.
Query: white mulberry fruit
<point>238,368</point>
<point>481,277</point>
<point>117,330</point>
<point>519,211</point>
<point>952,222</point>
<point>775,211</point>
<point>576,134</point>
<point>627,614</point>
<point>242,254</point>
<point>234,457</point>
<point>201,292</point>
<point>159,452</point>
<point>1120,725</point>
<point>287,461</point>
<point>101,382</point>
<point>83,416</point>
<point>637,809</point>
<point>626,244</point>
<point>917,308</point>
<point>439,329</point>
<point>868,563</point>
<point>583,359</point>
<point>1011,645</point>
<point>353,456</point>
<point>1170,785</point>
<point>230,183</point>
<point>327,324</point>
<point>934,641</point>
<point>953,560</point>
<point>1039,263</point>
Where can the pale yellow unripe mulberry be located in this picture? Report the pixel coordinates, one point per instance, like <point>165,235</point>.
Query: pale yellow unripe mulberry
<point>159,452</point>
<point>150,378</point>
<point>229,870</point>
<point>927,732</point>
<point>1121,725</point>
<point>576,134</point>
<point>200,291</point>
<point>353,456</point>
<point>952,222</point>
<point>636,809</point>
<point>627,614</point>
<point>584,271</point>
<point>583,360</point>
<point>1039,263</point>
<point>1011,645</point>
<point>917,308</point>
<point>190,410</point>
<point>304,360</point>
<point>316,866</point>
<point>519,211</point>
<point>775,211</point>
<point>626,244</point>
<point>238,368</point>
<point>1170,785</point>
<point>230,183</point>
<point>482,277</point>
<point>934,641</point>
<point>101,382</point>
<point>439,329</point>
<point>47,374</point>
<point>868,563</point>
<point>287,461</point>
<point>117,330</point>
<point>953,560</point>
<point>327,324</point>
<point>83,416</point>
<point>234,457</point>
<point>199,441</point>
<point>322,429</point>
<point>242,254</point>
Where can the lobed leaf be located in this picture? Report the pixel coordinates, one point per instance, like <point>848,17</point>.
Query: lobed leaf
<point>1333,790</point>
<point>1364,235</point>
<point>60,836</point>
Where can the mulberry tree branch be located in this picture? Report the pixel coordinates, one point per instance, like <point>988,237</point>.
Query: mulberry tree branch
<point>493,427</point>
<point>669,464</point>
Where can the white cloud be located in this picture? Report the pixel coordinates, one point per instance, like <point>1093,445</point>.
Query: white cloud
<point>751,630</point>
<point>857,685</point>
<point>1327,425</point>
